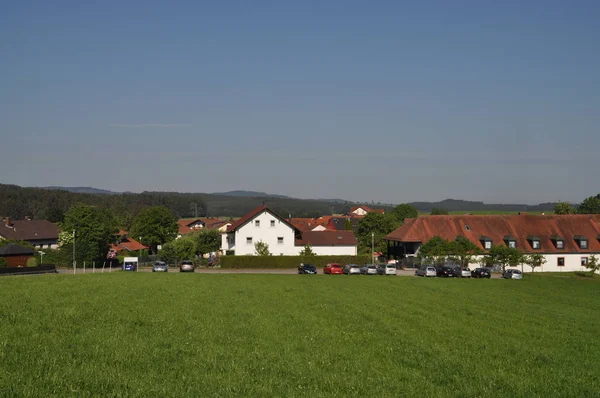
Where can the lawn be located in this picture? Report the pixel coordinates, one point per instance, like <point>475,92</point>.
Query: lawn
<point>156,335</point>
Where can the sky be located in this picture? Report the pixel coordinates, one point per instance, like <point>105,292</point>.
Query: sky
<point>385,101</point>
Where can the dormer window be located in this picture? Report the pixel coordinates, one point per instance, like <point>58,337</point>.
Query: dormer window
<point>486,242</point>
<point>467,228</point>
<point>534,241</point>
<point>582,241</point>
<point>559,242</point>
<point>510,241</point>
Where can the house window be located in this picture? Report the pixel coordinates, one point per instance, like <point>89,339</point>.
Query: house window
<point>272,223</point>
<point>487,244</point>
<point>280,240</point>
<point>512,244</point>
<point>257,223</point>
<point>583,244</point>
<point>249,241</point>
<point>584,261</point>
<point>536,245</point>
<point>560,261</point>
<point>467,228</point>
<point>560,244</point>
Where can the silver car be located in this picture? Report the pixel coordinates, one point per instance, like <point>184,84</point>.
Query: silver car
<point>351,269</point>
<point>368,269</point>
<point>512,274</point>
<point>160,266</point>
<point>386,269</point>
<point>426,270</point>
<point>187,266</point>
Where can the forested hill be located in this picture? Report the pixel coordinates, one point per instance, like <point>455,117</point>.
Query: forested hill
<point>466,205</point>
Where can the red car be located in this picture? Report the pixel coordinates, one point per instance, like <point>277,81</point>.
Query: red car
<point>332,269</point>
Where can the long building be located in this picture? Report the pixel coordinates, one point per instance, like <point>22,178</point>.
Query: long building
<point>566,241</point>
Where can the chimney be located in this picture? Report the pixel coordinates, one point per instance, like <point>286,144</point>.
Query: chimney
<point>8,221</point>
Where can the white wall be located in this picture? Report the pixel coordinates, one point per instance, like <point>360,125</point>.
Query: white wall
<point>360,212</point>
<point>266,233</point>
<point>331,250</point>
<point>572,263</point>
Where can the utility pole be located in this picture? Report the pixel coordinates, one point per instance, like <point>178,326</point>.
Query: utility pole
<point>373,247</point>
<point>74,263</point>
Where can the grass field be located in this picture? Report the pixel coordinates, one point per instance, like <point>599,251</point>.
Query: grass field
<point>156,335</point>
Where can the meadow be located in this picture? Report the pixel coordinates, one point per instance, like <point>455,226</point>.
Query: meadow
<point>159,335</point>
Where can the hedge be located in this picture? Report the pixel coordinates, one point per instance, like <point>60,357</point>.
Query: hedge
<point>289,261</point>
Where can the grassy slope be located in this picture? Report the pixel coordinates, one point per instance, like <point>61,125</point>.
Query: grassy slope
<point>281,335</point>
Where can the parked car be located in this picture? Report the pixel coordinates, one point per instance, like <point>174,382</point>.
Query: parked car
<point>481,273</point>
<point>187,266</point>
<point>445,272</point>
<point>160,266</point>
<point>462,272</point>
<point>129,266</point>
<point>307,269</point>
<point>426,270</point>
<point>386,269</point>
<point>332,269</point>
<point>351,269</point>
<point>368,269</point>
<point>512,274</point>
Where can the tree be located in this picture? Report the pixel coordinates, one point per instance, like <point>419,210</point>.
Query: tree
<point>307,251</point>
<point>590,205</point>
<point>94,231</point>
<point>534,260</point>
<point>178,250</point>
<point>593,264</point>
<point>3,263</point>
<point>207,241</point>
<point>155,225</point>
<point>438,211</point>
<point>435,249</point>
<point>462,250</point>
<point>31,262</point>
<point>261,248</point>
<point>563,208</point>
<point>378,224</point>
<point>404,211</point>
<point>505,256</point>
<point>348,225</point>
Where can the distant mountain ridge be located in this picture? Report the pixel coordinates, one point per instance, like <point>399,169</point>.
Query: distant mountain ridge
<point>251,194</point>
<point>89,190</point>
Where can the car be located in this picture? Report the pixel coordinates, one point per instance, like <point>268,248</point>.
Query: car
<point>129,266</point>
<point>307,269</point>
<point>187,266</point>
<point>368,269</point>
<point>351,269</point>
<point>445,272</point>
<point>481,273</point>
<point>160,266</point>
<point>333,269</point>
<point>512,274</point>
<point>426,270</point>
<point>462,272</point>
<point>386,269</point>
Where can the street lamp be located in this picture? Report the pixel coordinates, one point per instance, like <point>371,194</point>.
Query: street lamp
<point>373,247</point>
<point>41,257</point>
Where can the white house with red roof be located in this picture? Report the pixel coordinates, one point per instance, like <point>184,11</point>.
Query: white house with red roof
<point>264,225</point>
<point>363,210</point>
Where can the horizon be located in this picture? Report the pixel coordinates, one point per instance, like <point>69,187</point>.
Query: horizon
<point>391,102</point>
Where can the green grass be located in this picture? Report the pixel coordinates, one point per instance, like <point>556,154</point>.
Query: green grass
<point>157,335</point>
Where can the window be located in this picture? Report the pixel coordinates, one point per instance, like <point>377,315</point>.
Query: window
<point>280,240</point>
<point>257,223</point>
<point>583,244</point>
<point>272,223</point>
<point>487,244</point>
<point>560,244</point>
<point>249,241</point>
<point>560,261</point>
<point>512,244</point>
<point>536,244</point>
<point>584,261</point>
<point>467,228</point>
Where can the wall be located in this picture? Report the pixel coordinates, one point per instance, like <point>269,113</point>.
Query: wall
<point>17,261</point>
<point>572,263</point>
<point>331,250</point>
<point>266,233</point>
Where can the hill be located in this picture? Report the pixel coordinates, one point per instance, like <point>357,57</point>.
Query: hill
<point>82,190</point>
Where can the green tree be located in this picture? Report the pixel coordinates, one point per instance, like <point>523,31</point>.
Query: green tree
<point>378,224</point>
<point>505,256</point>
<point>3,263</point>
<point>590,205</point>
<point>178,250</point>
<point>593,264</point>
<point>348,225</point>
<point>155,225</point>
<point>563,208</point>
<point>94,231</point>
<point>404,211</point>
<point>207,241</point>
<point>261,248</point>
<point>438,211</point>
<point>435,250</point>
<point>534,260</point>
<point>463,251</point>
<point>307,251</point>
<point>31,262</point>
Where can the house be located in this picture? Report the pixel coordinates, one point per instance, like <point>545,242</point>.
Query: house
<point>264,225</point>
<point>565,241</point>
<point>363,210</point>
<point>16,255</point>
<point>189,225</point>
<point>309,224</point>
<point>41,234</point>
<point>126,244</point>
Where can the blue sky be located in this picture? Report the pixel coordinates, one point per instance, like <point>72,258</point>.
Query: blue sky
<point>388,101</point>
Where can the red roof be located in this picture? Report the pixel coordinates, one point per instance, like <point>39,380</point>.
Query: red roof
<point>523,228</point>
<point>327,238</point>
<point>249,216</point>
<point>128,244</point>
<point>307,224</point>
<point>28,230</point>
<point>367,209</point>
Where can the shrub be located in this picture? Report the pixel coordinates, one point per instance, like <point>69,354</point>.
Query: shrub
<point>289,261</point>
<point>3,263</point>
<point>32,262</point>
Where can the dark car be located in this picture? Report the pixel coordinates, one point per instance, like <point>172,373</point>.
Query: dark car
<point>481,273</point>
<point>307,269</point>
<point>445,272</point>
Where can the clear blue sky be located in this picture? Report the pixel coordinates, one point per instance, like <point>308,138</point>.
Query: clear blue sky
<point>387,100</point>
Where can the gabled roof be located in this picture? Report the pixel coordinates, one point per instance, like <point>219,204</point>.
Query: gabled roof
<point>522,227</point>
<point>367,209</point>
<point>253,214</point>
<point>339,223</point>
<point>128,244</point>
<point>29,230</point>
<point>13,249</point>
<point>327,238</point>
<point>307,224</point>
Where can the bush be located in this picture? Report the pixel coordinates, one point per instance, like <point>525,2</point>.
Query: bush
<point>3,263</point>
<point>58,257</point>
<point>289,261</point>
<point>32,262</point>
